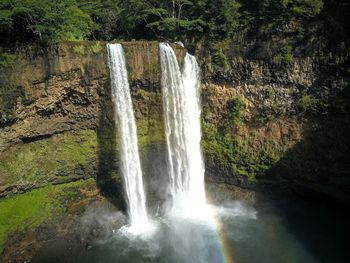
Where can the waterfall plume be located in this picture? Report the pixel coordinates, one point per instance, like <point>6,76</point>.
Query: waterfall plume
<point>181,101</point>
<point>129,152</point>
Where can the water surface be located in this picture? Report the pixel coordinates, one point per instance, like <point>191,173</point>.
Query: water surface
<point>291,232</point>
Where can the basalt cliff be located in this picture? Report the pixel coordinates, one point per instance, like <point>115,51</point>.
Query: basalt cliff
<point>272,118</point>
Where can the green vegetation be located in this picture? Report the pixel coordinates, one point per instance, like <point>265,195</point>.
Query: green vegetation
<point>242,150</point>
<point>219,47</point>
<point>275,12</point>
<point>47,21</point>
<point>263,118</point>
<point>303,7</point>
<point>79,50</point>
<point>341,102</point>
<point>256,155</point>
<point>151,129</point>
<point>6,59</point>
<point>286,54</point>
<point>170,19</point>
<point>64,155</point>
<point>44,21</point>
<point>236,109</point>
<point>218,145</point>
<point>309,103</point>
<point>42,161</point>
<point>82,50</point>
<point>149,132</point>
<point>219,58</point>
<point>96,48</point>
<point>29,210</point>
<point>236,147</point>
<point>320,102</point>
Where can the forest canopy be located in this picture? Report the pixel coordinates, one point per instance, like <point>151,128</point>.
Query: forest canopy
<point>47,21</point>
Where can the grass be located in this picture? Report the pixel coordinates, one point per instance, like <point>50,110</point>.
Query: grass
<point>149,132</point>
<point>83,49</point>
<point>150,128</point>
<point>287,54</point>
<point>218,145</point>
<point>6,59</point>
<point>41,161</point>
<point>236,109</point>
<point>219,58</point>
<point>27,211</point>
<point>247,154</point>
<point>96,48</point>
<point>309,103</point>
<point>79,50</point>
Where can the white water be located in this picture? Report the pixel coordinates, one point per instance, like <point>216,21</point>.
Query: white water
<point>130,160</point>
<point>181,100</point>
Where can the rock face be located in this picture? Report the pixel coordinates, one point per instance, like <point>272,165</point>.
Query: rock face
<point>274,111</point>
<point>57,121</point>
<point>269,121</point>
<point>59,91</point>
<point>45,94</point>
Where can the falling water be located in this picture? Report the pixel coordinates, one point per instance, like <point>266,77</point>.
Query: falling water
<point>182,110</point>
<point>130,160</point>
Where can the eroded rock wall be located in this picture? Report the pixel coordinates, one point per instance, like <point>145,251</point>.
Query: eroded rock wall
<point>268,121</point>
<point>56,114</point>
<point>277,119</point>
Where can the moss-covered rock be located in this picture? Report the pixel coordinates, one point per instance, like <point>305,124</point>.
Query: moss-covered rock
<point>294,91</point>
<point>57,118</point>
<point>45,92</point>
<point>24,212</point>
<point>286,150</point>
<point>64,157</point>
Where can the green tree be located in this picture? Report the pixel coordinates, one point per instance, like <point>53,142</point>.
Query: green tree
<point>157,18</point>
<point>43,20</point>
<point>49,21</point>
<point>172,19</point>
<point>303,7</point>
<point>106,16</point>
<point>263,12</point>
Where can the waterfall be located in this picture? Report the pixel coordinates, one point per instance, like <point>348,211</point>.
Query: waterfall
<point>130,160</point>
<point>181,101</point>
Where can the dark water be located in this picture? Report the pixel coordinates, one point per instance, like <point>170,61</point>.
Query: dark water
<point>288,232</point>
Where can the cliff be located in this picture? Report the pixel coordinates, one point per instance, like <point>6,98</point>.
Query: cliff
<point>269,125</point>
<point>276,110</point>
<point>57,120</point>
<point>273,118</point>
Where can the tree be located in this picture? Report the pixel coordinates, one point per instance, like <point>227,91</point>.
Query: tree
<point>105,14</point>
<point>45,21</point>
<point>260,12</point>
<point>303,7</point>
<point>49,21</point>
<point>172,19</point>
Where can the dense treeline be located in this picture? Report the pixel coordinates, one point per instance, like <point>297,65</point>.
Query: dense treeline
<point>48,21</point>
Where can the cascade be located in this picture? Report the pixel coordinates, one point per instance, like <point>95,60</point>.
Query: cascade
<point>129,152</point>
<point>181,101</point>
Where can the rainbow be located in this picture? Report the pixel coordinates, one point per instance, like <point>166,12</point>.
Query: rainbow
<point>224,244</point>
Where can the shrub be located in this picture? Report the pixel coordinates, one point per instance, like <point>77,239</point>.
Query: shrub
<point>79,50</point>
<point>96,48</point>
<point>236,109</point>
<point>286,54</point>
<point>309,103</point>
<point>6,59</point>
<point>219,58</point>
<point>45,21</point>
